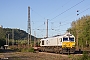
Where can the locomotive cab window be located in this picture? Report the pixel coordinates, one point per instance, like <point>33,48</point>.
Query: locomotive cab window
<point>71,39</point>
<point>65,39</point>
<point>60,39</point>
<point>43,42</point>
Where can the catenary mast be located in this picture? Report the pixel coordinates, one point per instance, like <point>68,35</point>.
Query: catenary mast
<point>29,27</point>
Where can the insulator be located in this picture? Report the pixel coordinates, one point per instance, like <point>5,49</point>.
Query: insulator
<point>77,10</point>
<point>52,29</point>
<point>77,14</point>
<point>44,23</point>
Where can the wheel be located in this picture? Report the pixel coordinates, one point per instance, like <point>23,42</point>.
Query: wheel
<point>62,50</point>
<point>68,51</point>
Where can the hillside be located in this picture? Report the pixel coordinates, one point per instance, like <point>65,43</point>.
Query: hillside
<point>17,33</point>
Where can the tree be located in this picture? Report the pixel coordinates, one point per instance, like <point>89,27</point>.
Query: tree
<point>81,30</point>
<point>2,37</point>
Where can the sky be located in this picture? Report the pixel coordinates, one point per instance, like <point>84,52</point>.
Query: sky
<point>60,15</point>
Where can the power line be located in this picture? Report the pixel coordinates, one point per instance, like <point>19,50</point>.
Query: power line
<point>60,7</point>
<point>67,9</point>
<point>38,14</point>
<point>78,13</point>
<point>84,10</point>
<point>49,14</point>
<point>64,11</point>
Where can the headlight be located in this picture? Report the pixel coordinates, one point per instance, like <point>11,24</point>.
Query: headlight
<point>73,45</point>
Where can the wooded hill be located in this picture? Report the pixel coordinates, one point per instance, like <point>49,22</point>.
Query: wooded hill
<point>81,30</point>
<point>18,35</point>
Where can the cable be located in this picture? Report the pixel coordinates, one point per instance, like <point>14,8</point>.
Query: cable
<point>55,10</point>
<point>64,11</point>
<point>67,9</point>
<point>84,10</point>
<point>38,14</point>
<point>79,13</point>
<point>59,7</point>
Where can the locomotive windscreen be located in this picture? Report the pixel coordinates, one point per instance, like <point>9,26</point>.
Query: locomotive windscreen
<point>65,39</point>
<point>71,39</point>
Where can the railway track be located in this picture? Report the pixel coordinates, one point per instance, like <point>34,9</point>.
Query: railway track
<point>11,55</point>
<point>32,56</point>
<point>58,54</point>
<point>77,52</point>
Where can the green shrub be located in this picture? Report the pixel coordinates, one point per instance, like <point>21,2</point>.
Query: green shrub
<point>22,49</point>
<point>85,56</point>
<point>31,49</point>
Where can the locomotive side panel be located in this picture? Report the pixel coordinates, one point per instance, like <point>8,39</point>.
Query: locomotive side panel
<point>54,41</point>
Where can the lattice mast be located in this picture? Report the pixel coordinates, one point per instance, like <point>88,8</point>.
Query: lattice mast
<point>29,27</point>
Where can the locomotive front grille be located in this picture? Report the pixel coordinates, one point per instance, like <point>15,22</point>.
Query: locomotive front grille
<point>68,44</point>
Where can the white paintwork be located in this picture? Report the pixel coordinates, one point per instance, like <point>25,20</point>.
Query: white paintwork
<point>55,41</point>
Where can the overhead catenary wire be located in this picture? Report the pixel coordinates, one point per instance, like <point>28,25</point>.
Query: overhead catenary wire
<point>38,14</point>
<point>67,10</point>
<point>64,11</point>
<point>77,13</point>
<point>84,10</point>
<point>51,13</point>
<point>70,22</point>
<point>59,7</point>
<point>37,21</point>
<point>73,16</point>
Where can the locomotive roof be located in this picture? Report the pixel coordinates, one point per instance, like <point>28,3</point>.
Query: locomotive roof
<point>66,34</point>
